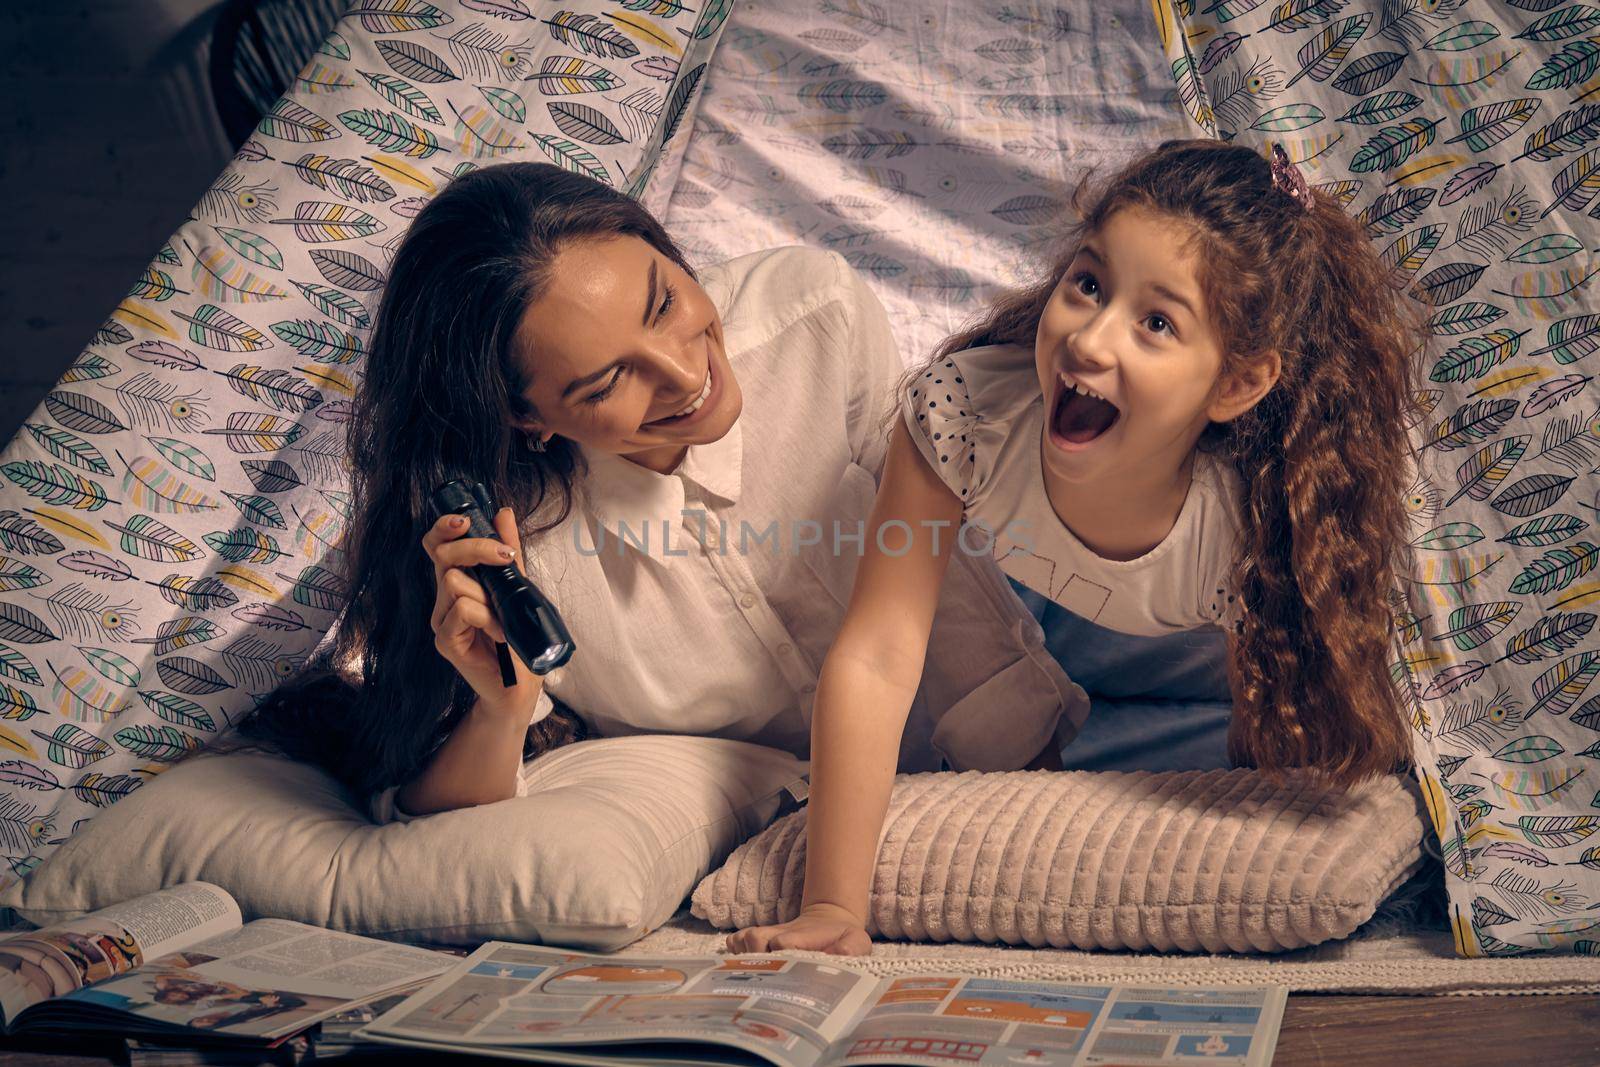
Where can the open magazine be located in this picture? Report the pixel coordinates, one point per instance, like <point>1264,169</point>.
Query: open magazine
<point>556,1006</point>
<point>180,962</point>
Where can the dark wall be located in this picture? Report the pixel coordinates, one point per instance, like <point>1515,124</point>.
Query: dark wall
<point>107,138</point>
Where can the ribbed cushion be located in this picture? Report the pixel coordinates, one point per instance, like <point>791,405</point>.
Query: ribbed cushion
<point>1215,861</point>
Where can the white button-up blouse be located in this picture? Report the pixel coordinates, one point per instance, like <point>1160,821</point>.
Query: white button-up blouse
<point>703,601</point>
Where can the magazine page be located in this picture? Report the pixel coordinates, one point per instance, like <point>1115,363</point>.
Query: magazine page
<point>55,960</point>
<point>940,1019</point>
<point>265,980</point>
<point>538,1003</point>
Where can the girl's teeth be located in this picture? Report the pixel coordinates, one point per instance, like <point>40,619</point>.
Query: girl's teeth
<point>1073,386</point>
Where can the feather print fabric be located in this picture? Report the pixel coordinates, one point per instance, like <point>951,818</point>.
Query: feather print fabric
<point>172,514</point>
<point>1466,135</point>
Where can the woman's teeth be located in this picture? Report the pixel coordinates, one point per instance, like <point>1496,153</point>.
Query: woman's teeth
<point>705,391</point>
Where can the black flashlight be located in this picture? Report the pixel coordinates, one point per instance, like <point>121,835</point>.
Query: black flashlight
<point>532,625</point>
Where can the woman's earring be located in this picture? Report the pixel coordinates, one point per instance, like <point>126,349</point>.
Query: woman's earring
<point>534,442</point>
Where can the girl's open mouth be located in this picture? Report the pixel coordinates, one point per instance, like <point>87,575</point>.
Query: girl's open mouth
<point>1081,415</point>
<point>709,392</point>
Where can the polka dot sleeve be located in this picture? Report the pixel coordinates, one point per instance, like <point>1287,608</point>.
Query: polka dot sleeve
<point>938,410</point>
<point>1226,607</point>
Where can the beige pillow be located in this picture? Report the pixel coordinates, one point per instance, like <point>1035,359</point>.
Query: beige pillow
<point>613,835</point>
<point>1216,861</point>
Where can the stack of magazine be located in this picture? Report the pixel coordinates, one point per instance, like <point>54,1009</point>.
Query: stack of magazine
<point>179,968</point>
<point>330,1039</point>
<point>555,1006</point>
<point>186,982</point>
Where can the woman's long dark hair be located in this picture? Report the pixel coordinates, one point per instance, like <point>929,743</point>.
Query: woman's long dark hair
<point>443,386</point>
<point>1322,457</point>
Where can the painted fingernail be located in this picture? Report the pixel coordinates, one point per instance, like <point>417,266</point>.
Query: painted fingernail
<point>458,520</point>
<point>506,553</point>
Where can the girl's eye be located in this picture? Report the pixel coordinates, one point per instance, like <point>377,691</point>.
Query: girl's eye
<point>1159,324</point>
<point>1086,284</point>
<point>667,300</point>
<point>595,398</point>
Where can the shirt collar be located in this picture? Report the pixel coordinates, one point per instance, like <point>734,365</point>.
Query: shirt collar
<point>620,491</point>
<point>717,467</point>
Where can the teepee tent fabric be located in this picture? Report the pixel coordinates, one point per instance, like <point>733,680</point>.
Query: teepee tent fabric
<point>1463,135</point>
<point>171,515</point>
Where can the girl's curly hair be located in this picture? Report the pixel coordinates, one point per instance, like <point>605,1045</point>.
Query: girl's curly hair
<point>1323,457</point>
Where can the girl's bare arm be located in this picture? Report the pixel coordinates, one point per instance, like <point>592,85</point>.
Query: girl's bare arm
<point>867,684</point>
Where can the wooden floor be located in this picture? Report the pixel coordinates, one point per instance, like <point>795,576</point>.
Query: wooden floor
<point>1318,1031</point>
<point>1532,1031</point>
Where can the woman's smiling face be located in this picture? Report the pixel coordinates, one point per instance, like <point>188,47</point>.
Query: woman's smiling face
<point>618,346</point>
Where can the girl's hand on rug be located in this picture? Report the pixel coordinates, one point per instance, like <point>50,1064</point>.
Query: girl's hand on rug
<point>464,627</point>
<point>818,927</point>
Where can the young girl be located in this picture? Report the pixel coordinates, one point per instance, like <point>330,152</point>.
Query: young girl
<point>1199,419</point>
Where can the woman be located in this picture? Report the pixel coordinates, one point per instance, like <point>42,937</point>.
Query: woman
<point>648,431</point>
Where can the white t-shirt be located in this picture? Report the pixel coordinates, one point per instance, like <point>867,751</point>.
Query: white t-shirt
<point>978,418</point>
<point>724,639</point>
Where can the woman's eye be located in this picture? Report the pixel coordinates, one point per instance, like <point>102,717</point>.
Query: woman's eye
<point>1086,284</point>
<point>667,300</point>
<point>1159,324</point>
<point>595,398</point>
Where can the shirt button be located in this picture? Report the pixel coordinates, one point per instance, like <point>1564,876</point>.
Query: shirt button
<point>747,601</point>
<point>785,648</point>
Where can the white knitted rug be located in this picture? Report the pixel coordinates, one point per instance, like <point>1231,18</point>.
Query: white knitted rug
<point>1380,958</point>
